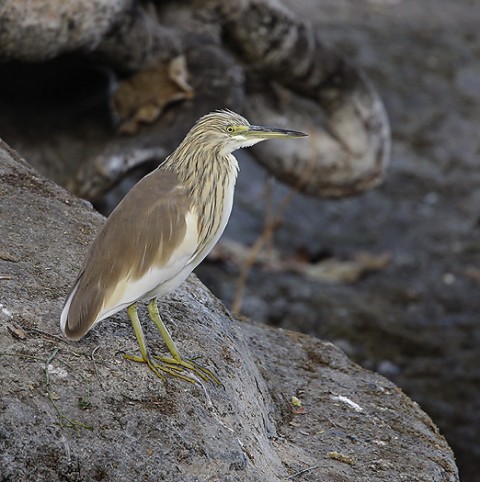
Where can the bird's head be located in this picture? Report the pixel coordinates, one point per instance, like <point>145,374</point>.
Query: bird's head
<point>227,131</point>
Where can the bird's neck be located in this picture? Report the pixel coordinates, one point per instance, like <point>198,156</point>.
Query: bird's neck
<point>199,168</point>
<point>210,181</point>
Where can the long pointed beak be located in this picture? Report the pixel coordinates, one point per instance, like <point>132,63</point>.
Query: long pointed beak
<point>256,132</point>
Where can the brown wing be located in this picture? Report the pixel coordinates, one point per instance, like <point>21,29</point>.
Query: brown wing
<point>143,230</point>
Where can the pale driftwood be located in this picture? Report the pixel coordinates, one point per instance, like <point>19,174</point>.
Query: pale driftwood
<point>350,148</point>
<point>257,58</point>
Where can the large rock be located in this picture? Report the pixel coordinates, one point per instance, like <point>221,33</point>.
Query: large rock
<point>39,30</point>
<point>79,411</point>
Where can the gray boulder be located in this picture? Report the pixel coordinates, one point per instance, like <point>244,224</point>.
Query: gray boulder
<point>79,411</point>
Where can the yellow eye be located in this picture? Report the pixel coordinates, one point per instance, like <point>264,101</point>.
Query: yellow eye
<point>230,129</point>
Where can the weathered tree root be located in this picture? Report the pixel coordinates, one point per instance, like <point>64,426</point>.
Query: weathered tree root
<point>352,147</point>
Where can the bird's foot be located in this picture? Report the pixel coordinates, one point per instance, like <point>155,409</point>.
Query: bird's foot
<point>180,364</point>
<point>157,368</point>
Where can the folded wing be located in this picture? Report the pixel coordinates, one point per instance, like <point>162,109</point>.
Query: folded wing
<point>146,242</point>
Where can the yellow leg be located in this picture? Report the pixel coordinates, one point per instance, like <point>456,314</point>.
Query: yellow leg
<point>176,360</point>
<point>145,356</point>
<point>155,316</point>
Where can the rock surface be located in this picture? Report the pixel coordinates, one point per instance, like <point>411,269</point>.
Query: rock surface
<point>417,321</point>
<point>353,424</point>
<point>37,31</point>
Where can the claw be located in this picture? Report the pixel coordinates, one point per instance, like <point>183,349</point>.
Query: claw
<point>202,372</point>
<point>156,368</point>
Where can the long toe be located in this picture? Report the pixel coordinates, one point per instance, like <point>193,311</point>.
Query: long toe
<point>187,364</point>
<point>171,369</point>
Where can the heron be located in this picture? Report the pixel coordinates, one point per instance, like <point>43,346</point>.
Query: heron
<point>160,231</point>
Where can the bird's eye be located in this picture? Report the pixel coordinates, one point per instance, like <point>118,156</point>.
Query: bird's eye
<point>230,129</point>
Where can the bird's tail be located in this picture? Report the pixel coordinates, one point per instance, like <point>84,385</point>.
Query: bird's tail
<point>81,310</point>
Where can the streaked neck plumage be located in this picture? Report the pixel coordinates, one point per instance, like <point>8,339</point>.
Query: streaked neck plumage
<point>209,176</point>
